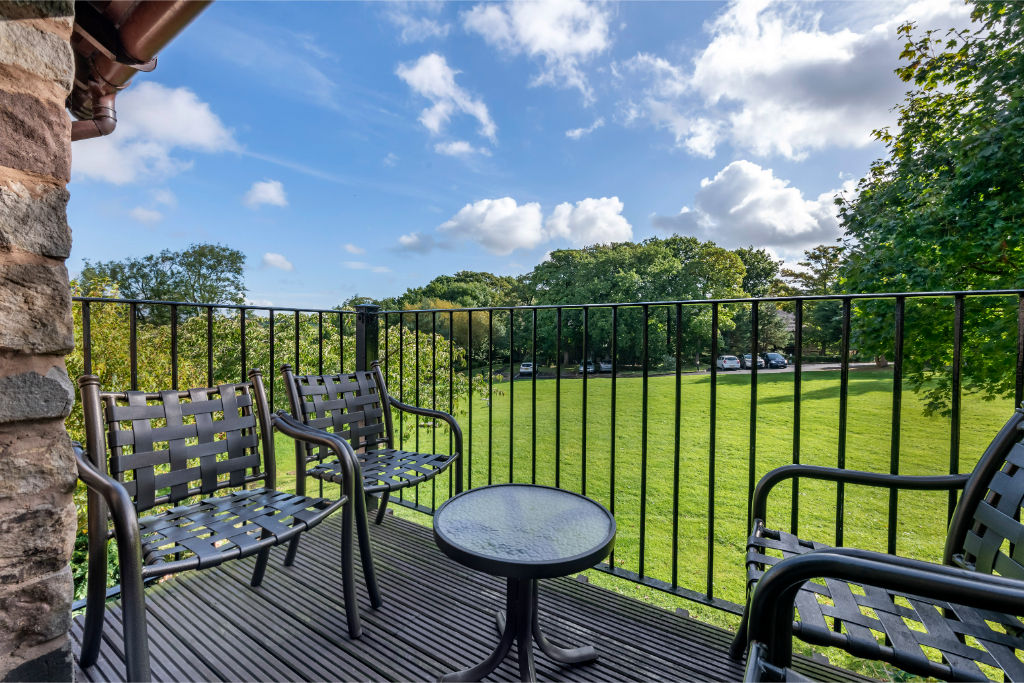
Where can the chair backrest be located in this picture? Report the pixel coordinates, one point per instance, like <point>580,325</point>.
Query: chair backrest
<point>170,445</point>
<point>986,525</point>
<point>354,406</point>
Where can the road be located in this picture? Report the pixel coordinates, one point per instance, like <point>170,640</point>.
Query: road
<point>807,367</point>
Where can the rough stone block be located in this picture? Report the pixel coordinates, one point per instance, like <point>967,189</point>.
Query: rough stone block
<point>47,55</point>
<point>37,9</point>
<point>37,540</point>
<point>35,308</point>
<point>37,134</point>
<point>35,612</point>
<point>31,396</point>
<point>36,460</point>
<point>35,220</point>
<point>47,662</point>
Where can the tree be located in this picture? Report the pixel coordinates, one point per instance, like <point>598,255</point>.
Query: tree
<point>942,210</point>
<point>760,279</point>
<point>820,275</point>
<point>202,273</point>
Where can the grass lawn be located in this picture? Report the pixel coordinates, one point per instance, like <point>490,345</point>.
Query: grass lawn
<point>499,444</point>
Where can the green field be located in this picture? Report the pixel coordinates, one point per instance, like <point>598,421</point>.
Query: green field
<point>924,449</point>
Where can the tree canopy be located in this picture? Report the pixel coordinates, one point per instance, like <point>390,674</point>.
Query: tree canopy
<point>942,210</point>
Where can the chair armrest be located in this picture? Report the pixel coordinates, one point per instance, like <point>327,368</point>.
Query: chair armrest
<point>772,604</point>
<point>436,414</point>
<point>759,504</point>
<point>122,510</point>
<point>289,426</point>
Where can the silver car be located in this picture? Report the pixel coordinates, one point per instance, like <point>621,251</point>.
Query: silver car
<point>728,363</point>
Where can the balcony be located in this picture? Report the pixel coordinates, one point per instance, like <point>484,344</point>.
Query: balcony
<point>209,625</point>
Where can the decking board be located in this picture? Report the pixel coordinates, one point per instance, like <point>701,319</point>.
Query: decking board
<point>438,616</point>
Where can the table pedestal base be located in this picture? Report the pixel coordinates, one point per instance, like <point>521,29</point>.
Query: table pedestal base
<point>521,627</point>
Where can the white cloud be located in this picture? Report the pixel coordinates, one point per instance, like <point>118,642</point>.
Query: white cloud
<point>414,26</point>
<point>460,148</point>
<point>165,197</point>
<point>499,225</point>
<point>746,204</point>
<point>590,221</point>
<point>153,122</point>
<point>265,192</point>
<point>272,260</point>
<point>774,80</point>
<point>577,133</point>
<point>431,77</point>
<point>417,243</point>
<point>353,249</point>
<point>362,265</point>
<point>564,34</point>
<point>144,215</point>
<point>390,160</point>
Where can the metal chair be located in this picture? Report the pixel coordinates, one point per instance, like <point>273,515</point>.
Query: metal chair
<point>168,452</point>
<point>356,406</point>
<point>959,620</point>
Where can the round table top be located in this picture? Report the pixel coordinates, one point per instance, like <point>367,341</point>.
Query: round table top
<point>524,531</point>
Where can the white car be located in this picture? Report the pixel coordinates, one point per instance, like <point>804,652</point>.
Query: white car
<point>526,368</point>
<point>728,363</point>
<point>604,366</point>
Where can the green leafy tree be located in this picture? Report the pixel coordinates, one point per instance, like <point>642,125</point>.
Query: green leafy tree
<point>819,275</point>
<point>942,210</point>
<point>202,273</point>
<point>760,279</point>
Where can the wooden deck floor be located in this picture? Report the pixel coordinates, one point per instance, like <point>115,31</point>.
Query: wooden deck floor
<point>438,616</point>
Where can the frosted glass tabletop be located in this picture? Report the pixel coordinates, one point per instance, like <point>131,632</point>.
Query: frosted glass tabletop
<point>524,530</point>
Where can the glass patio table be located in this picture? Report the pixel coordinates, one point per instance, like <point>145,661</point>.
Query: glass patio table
<point>523,532</point>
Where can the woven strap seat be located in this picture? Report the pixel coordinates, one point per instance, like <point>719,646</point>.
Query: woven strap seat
<point>910,632</point>
<point>388,469</point>
<point>221,528</point>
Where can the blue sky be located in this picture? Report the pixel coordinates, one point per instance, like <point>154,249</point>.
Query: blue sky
<point>363,148</point>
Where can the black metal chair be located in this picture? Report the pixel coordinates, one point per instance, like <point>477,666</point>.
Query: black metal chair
<point>959,620</point>
<point>167,452</point>
<point>356,406</point>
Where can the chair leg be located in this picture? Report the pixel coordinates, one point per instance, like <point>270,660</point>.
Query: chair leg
<point>348,583</point>
<point>136,637</point>
<point>95,604</point>
<point>261,568</point>
<point>365,553</point>
<point>293,548</point>
<point>382,506</point>
<point>738,647</point>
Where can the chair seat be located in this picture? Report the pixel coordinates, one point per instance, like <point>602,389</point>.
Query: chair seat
<point>914,627</point>
<point>225,527</point>
<point>387,469</point>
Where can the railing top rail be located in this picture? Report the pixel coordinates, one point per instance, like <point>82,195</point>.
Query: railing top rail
<point>195,304</point>
<point>694,302</point>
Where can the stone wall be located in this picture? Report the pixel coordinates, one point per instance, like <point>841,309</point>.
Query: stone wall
<point>37,470</point>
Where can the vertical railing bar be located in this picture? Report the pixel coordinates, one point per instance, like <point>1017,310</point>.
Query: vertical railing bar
<point>752,439</point>
<point>401,386</point>
<point>611,427</point>
<point>712,433</point>
<point>1018,393</point>
<point>341,339</point>
<point>296,342</point>
<point>844,396</point>
<point>272,373</point>
<point>133,348</point>
<point>586,371</point>
<point>469,378</point>
<point>511,392</point>
<point>320,343</point>
<point>241,333</point>
<point>490,395</point>
<point>174,348</point>
<point>209,346</point>
<point>87,337</point>
<point>897,410</point>
<point>954,422</point>
<point>798,360</point>
<point>533,402</point>
<point>451,396</point>
<point>675,463</point>
<point>558,397</point>
<point>416,384</point>
<point>433,403</point>
<point>643,442</point>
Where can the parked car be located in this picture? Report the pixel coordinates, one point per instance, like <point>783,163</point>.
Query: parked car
<point>747,363</point>
<point>728,363</point>
<point>526,368</point>
<point>590,367</point>
<point>776,360</point>
<point>604,366</point>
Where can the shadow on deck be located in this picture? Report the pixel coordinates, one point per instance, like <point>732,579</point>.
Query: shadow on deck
<point>437,617</point>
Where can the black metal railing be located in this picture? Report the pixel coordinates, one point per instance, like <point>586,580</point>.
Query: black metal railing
<point>673,449</point>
